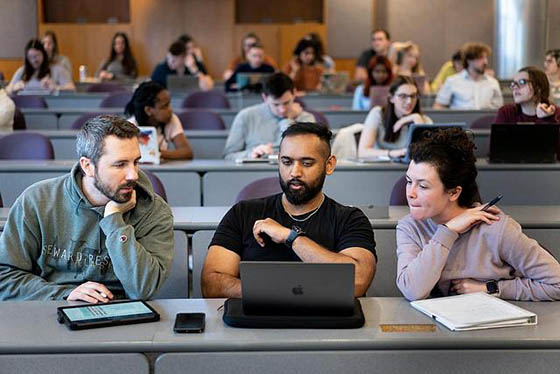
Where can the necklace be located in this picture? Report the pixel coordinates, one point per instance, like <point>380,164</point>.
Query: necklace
<point>310,214</point>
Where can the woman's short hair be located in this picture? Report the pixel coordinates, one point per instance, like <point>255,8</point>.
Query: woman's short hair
<point>540,84</point>
<point>451,152</point>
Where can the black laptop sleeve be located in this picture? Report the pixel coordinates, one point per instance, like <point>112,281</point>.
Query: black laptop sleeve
<point>235,317</point>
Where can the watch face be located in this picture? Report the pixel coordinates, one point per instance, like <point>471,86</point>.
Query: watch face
<point>297,229</point>
<point>491,287</point>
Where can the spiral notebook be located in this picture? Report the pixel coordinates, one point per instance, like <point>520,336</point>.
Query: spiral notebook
<point>475,311</point>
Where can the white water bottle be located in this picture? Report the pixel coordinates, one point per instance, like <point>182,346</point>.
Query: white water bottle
<point>83,73</point>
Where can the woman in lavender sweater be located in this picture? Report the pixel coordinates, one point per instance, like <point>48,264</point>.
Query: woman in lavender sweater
<point>449,245</point>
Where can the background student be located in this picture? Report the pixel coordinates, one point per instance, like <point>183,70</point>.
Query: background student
<point>194,64</point>
<point>449,244</point>
<point>448,69</point>
<point>327,61</point>
<point>151,106</point>
<point>408,63</point>
<point>552,70</point>
<point>121,64</point>
<point>304,68</point>
<point>386,128</point>
<point>255,64</point>
<point>531,94</point>
<point>379,73</point>
<point>36,74</point>
<point>247,41</point>
<point>7,109</point>
<point>50,44</point>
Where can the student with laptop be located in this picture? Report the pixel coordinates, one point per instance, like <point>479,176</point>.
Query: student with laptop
<point>385,130</point>
<point>451,244</point>
<point>174,64</point>
<point>96,234</point>
<point>248,40</point>
<point>255,64</point>
<point>304,68</point>
<point>531,94</point>
<point>194,63</point>
<point>379,77</point>
<point>300,224</point>
<point>256,130</point>
<point>380,46</point>
<point>150,105</point>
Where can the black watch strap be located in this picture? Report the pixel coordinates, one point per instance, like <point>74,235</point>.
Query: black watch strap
<point>294,233</point>
<point>492,287</point>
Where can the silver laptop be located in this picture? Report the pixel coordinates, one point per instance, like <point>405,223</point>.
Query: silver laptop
<point>182,84</point>
<point>297,288</point>
<point>334,83</point>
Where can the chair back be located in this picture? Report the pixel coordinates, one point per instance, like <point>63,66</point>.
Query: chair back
<point>206,99</point>
<point>26,146</point>
<point>484,122</point>
<point>156,184</point>
<point>319,117</point>
<point>200,242</point>
<point>385,281</point>
<point>29,101</point>
<point>19,120</point>
<point>106,87</point>
<point>116,100</point>
<point>201,120</point>
<point>81,120</point>
<point>177,284</point>
<point>398,193</point>
<point>260,188</point>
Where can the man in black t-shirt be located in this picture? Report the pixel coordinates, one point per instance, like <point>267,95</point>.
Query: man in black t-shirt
<point>380,45</point>
<point>301,224</point>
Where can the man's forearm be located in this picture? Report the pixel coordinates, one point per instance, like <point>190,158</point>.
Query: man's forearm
<point>220,285</point>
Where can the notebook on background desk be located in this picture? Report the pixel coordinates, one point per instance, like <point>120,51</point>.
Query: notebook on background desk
<point>524,143</point>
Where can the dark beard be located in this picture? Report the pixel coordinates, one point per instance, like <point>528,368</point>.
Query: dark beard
<point>115,196</point>
<point>306,194</point>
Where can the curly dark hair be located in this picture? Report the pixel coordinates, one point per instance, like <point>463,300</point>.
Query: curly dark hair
<point>451,152</point>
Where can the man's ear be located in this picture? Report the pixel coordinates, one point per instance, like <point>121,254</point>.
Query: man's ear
<point>87,167</point>
<point>263,95</point>
<point>331,164</point>
<point>454,193</point>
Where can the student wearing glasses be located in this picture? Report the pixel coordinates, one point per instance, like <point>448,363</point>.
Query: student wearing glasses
<point>531,94</point>
<point>450,244</point>
<point>385,129</point>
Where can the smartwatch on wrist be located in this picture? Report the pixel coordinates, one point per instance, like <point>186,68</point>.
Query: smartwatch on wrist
<point>294,233</point>
<point>492,287</point>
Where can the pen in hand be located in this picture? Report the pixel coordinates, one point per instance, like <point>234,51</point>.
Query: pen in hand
<point>493,202</point>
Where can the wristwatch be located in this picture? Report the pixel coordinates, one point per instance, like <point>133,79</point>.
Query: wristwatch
<point>492,287</point>
<point>294,233</point>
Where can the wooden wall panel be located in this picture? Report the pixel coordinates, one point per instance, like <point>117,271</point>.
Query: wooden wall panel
<point>291,34</point>
<point>8,67</point>
<point>269,34</point>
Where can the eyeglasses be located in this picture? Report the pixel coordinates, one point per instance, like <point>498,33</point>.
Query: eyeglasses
<point>518,84</point>
<point>403,97</point>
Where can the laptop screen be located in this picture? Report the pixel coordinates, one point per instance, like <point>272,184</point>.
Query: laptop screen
<point>516,143</point>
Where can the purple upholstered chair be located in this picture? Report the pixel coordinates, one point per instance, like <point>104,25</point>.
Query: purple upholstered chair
<point>106,87</point>
<point>201,120</point>
<point>29,101</point>
<point>484,122</point>
<point>206,99</point>
<point>19,120</point>
<point>81,120</point>
<point>319,117</point>
<point>398,194</point>
<point>156,184</point>
<point>26,146</point>
<point>260,188</point>
<point>116,100</point>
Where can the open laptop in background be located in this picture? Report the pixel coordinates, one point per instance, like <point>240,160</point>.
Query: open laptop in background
<point>524,143</point>
<point>378,96</point>
<point>297,288</point>
<point>416,132</point>
<point>185,84</point>
<point>252,82</point>
<point>334,83</point>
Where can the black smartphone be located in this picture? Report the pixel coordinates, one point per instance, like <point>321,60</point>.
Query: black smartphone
<point>189,322</point>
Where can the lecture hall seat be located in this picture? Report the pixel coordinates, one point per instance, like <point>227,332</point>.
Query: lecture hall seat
<point>29,101</point>
<point>19,120</point>
<point>398,193</point>
<point>156,184</point>
<point>106,87</point>
<point>116,100</point>
<point>484,122</point>
<point>81,120</point>
<point>201,120</point>
<point>26,146</point>
<point>206,99</point>
<point>319,117</point>
<point>260,188</point>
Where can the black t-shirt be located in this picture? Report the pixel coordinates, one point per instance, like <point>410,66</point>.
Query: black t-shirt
<point>333,226</point>
<point>365,57</point>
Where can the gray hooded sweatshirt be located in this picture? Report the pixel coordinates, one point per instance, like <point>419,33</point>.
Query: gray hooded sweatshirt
<point>55,240</point>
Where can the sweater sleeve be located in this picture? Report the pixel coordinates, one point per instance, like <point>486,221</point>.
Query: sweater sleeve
<point>20,247</point>
<point>235,144</point>
<point>537,271</point>
<point>501,116</point>
<point>141,255</point>
<point>419,266</point>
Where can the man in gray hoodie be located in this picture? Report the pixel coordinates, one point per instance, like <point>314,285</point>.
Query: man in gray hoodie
<point>96,234</point>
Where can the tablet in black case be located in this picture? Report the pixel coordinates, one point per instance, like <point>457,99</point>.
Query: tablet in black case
<point>90,316</point>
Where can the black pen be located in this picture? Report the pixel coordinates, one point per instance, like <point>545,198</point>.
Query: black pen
<point>493,202</point>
